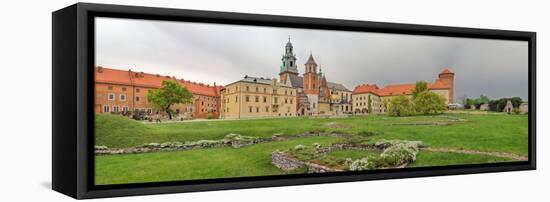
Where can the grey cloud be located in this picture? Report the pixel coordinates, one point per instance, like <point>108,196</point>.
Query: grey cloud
<point>224,53</point>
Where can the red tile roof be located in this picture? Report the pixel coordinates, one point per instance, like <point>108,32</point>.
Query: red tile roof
<point>128,77</point>
<point>396,89</point>
<point>114,76</point>
<point>446,71</point>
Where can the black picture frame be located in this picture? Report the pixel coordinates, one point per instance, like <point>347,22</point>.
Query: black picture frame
<point>73,93</point>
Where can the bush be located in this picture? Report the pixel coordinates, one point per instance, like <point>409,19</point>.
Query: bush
<point>401,106</point>
<point>299,147</point>
<point>138,115</point>
<point>401,152</point>
<point>396,152</point>
<point>429,103</point>
<point>361,164</point>
<point>317,145</point>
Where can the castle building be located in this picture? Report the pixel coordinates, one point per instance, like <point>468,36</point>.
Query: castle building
<point>378,99</point>
<point>315,94</point>
<point>253,97</point>
<point>124,90</point>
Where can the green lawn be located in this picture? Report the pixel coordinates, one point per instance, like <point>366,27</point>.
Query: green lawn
<point>254,160</point>
<point>490,132</point>
<point>427,158</point>
<point>482,132</point>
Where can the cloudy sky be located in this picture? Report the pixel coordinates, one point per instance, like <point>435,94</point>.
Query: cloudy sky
<point>211,53</point>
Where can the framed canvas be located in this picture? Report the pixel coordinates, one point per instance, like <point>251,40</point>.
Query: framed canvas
<point>158,100</point>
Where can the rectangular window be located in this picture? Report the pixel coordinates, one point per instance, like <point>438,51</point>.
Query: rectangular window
<point>123,88</point>
<point>276,100</point>
<point>115,108</point>
<point>125,109</point>
<point>110,87</point>
<point>257,109</point>
<point>249,109</point>
<point>265,99</point>
<point>137,99</point>
<point>257,98</point>
<point>291,100</point>
<point>111,96</point>
<point>266,109</point>
<point>236,99</point>
<point>247,98</point>
<point>137,90</point>
<point>106,108</point>
<point>122,97</point>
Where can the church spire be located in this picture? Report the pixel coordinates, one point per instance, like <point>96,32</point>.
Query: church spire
<point>288,61</point>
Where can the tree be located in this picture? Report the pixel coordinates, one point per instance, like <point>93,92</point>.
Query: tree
<point>171,93</point>
<point>498,105</point>
<point>385,104</point>
<point>470,103</point>
<point>420,87</point>
<point>369,106</point>
<point>429,103</point>
<point>483,100</point>
<point>401,106</point>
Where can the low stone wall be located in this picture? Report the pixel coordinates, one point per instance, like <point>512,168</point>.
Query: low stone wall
<point>347,146</point>
<point>148,149</point>
<point>309,134</point>
<point>285,162</point>
<point>288,163</point>
<point>178,146</point>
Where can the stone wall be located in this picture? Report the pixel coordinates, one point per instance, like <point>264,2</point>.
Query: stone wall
<point>288,163</point>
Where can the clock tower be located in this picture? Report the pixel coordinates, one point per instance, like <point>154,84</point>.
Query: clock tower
<point>288,63</point>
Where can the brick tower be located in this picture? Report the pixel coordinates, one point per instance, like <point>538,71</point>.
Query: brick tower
<point>448,78</point>
<point>311,77</point>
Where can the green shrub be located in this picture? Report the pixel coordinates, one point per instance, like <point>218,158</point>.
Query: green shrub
<point>401,106</point>
<point>429,103</point>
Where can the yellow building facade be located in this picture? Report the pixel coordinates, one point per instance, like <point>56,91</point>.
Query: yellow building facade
<point>254,97</point>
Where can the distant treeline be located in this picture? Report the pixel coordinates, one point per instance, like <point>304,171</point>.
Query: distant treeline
<point>494,105</point>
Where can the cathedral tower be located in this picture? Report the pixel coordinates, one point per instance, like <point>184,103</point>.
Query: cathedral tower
<point>311,77</point>
<point>288,63</point>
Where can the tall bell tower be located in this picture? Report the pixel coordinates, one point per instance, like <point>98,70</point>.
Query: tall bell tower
<point>311,77</point>
<point>288,63</point>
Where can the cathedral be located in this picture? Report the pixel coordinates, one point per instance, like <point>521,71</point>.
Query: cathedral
<point>315,95</point>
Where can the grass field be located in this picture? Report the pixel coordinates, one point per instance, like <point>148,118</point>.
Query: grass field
<point>481,132</point>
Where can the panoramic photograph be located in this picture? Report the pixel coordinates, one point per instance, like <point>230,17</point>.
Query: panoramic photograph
<point>179,101</point>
